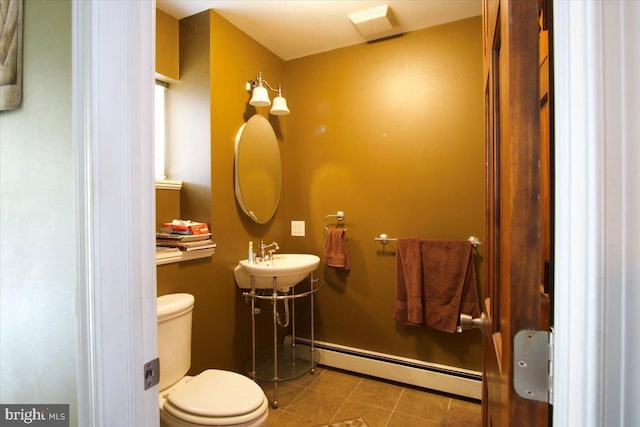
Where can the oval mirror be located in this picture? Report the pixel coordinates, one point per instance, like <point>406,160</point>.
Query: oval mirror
<point>257,169</point>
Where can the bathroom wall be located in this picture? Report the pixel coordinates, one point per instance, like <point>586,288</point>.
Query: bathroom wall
<point>209,104</point>
<point>188,145</point>
<point>168,45</point>
<point>38,260</point>
<point>391,133</point>
<point>167,206</point>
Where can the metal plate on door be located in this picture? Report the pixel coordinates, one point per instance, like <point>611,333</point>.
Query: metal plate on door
<point>531,364</point>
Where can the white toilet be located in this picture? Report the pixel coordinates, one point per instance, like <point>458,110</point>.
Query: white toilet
<point>211,398</point>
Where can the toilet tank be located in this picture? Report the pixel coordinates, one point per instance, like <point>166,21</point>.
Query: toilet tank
<point>174,337</point>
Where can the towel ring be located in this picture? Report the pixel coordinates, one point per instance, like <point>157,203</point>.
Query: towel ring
<point>338,215</point>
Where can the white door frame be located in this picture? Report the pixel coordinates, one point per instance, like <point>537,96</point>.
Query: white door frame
<point>112,100</point>
<point>597,252</point>
<point>597,211</point>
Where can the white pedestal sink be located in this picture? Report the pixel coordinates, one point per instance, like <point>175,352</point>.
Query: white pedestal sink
<point>288,269</point>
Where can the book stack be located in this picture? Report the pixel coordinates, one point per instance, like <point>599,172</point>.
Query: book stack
<point>184,235</point>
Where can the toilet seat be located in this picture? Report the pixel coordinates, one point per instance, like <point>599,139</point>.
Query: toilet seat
<point>216,397</point>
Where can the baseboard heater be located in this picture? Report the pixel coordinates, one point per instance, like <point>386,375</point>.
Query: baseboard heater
<point>443,378</point>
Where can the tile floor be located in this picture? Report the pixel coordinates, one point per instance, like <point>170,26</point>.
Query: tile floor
<point>330,396</point>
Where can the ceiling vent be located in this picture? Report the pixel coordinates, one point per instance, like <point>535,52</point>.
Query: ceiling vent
<point>376,23</point>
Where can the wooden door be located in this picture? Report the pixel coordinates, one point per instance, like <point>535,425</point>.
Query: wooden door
<point>517,236</point>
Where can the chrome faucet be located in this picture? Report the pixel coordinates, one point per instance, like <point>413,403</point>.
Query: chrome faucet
<point>273,245</point>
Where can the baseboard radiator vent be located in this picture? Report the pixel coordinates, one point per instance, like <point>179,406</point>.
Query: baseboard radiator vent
<point>446,379</point>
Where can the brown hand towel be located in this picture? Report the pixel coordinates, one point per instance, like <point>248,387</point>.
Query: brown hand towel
<point>335,249</point>
<point>449,283</point>
<point>408,305</point>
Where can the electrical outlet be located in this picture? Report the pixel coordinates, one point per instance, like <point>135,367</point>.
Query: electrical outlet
<point>297,228</point>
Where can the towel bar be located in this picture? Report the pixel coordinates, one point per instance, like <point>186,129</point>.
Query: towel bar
<point>384,239</point>
<point>338,215</point>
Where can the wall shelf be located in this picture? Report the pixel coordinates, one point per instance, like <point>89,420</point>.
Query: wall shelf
<point>169,256</point>
<point>167,184</point>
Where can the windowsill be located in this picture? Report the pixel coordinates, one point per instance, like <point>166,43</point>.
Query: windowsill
<point>166,256</point>
<point>167,184</point>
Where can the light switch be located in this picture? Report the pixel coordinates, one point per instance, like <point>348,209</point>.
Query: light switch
<point>297,228</point>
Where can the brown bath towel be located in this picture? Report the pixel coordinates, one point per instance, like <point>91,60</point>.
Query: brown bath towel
<point>408,305</point>
<point>449,283</point>
<point>335,249</point>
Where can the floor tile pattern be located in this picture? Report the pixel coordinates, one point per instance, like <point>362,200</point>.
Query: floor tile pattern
<point>331,396</point>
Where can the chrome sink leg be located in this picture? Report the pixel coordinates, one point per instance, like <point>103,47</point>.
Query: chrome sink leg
<point>275,343</point>
<point>274,405</point>
<point>293,326</point>
<point>253,326</point>
<point>253,337</point>
<point>313,366</point>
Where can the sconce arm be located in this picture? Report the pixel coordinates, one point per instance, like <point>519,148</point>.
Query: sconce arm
<point>251,84</point>
<point>269,86</point>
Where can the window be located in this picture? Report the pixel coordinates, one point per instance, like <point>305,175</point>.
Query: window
<point>160,129</point>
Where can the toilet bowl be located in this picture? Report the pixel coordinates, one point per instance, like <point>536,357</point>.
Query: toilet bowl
<point>211,398</point>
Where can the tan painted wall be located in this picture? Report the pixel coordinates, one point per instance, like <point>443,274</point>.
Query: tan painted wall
<point>210,56</point>
<point>390,133</point>
<point>167,206</point>
<point>167,45</point>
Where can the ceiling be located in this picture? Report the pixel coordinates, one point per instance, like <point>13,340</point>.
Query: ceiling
<point>296,28</point>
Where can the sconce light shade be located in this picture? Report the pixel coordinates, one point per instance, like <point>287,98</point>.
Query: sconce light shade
<point>260,97</point>
<point>279,106</point>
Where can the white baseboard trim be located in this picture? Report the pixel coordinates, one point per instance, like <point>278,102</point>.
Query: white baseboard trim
<point>443,378</point>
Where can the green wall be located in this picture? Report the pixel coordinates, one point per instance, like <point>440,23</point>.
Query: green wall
<point>38,254</point>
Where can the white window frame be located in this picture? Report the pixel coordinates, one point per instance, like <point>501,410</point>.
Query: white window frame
<point>160,128</point>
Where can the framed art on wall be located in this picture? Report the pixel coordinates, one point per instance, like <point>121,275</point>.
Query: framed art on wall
<point>11,22</point>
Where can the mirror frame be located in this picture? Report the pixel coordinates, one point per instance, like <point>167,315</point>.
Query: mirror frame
<point>257,151</point>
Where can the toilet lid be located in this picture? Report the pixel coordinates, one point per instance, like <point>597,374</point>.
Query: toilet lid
<point>215,393</point>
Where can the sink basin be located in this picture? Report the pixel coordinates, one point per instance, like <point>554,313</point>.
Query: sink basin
<point>288,269</point>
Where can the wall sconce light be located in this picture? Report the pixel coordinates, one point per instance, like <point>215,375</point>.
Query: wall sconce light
<point>260,96</point>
